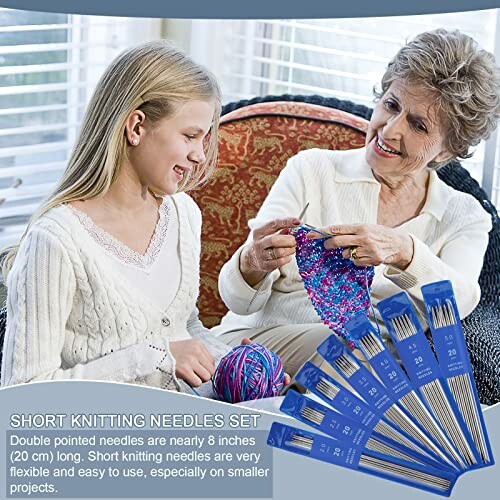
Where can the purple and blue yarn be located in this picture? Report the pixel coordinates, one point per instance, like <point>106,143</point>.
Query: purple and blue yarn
<point>248,372</point>
<point>337,288</point>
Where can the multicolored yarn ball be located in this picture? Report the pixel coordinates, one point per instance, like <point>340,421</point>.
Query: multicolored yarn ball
<point>337,288</point>
<point>248,372</point>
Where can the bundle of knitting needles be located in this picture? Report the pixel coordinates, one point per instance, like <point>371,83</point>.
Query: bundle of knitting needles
<point>416,420</point>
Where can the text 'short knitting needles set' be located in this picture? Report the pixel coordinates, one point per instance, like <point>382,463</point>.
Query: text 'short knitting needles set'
<point>419,420</point>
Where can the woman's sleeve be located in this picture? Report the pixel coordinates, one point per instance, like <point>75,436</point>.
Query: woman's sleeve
<point>459,260</point>
<point>285,199</point>
<point>40,291</point>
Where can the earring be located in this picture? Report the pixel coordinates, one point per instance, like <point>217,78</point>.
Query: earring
<point>135,141</point>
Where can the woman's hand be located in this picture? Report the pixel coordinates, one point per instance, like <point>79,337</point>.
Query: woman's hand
<point>369,244</point>
<point>193,363</point>
<point>271,247</point>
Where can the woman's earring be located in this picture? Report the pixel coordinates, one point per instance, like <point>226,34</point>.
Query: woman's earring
<point>135,141</point>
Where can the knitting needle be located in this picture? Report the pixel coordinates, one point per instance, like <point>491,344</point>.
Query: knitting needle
<point>382,464</point>
<point>261,284</point>
<point>460,385</point>
<point>317,416</point>
<point>316,230</point>
<point>437,401</point>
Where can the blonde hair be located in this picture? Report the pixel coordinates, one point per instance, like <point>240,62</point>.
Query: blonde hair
<point>153,77</point>
<point>463,79</point>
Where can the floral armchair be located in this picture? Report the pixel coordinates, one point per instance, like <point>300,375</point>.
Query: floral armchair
<point>256,139</point>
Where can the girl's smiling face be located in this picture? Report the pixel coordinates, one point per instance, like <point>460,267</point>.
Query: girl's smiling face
<point>405,132</point>
<point>169,149</point>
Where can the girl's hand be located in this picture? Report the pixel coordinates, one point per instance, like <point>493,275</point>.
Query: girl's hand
<point>193,363</point>
<point>369,244</point>
<point>271,248</point>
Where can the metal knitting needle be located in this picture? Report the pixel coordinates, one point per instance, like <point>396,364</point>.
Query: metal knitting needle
<point>317,417</point>
<point>261,284</point>
<point>461,385</point>
<point>368,462</point>
<point>437,402</point>
<point>330,391</point>
<point>316,230</point>
<point>410,401</point>
<point>326,388</point>
<point>348,367</point>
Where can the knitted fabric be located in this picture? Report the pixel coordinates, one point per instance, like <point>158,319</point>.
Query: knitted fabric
<point>337,288</point>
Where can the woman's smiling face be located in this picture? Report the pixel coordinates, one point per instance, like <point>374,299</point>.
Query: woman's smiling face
<point>405,132</point>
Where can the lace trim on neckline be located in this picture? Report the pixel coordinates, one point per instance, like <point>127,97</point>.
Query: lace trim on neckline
<point>117,248</point>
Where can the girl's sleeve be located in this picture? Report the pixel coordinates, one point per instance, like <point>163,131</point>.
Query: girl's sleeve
<point>40,292</point>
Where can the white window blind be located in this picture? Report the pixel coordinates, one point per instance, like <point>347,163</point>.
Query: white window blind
<point>342,58</point>
<point>49,65</point>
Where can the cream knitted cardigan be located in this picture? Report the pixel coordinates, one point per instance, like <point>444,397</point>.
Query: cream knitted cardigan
<point>70,317</point>
<point>450,237</point>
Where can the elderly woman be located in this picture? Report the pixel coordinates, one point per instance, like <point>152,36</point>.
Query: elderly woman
<point>384,203</point>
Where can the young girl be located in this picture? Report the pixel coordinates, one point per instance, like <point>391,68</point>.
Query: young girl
<point>104,282</point>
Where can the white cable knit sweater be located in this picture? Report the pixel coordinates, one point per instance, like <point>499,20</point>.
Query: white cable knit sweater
<point>450,237</point>
<point>69,316</point>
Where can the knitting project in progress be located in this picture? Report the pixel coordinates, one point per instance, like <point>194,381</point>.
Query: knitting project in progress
<point>337,288</point>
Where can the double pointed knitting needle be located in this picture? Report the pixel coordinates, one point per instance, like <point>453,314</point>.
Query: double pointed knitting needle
<point>261,284</point>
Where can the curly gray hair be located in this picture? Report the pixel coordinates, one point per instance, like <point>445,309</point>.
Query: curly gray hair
<point>463,79</point>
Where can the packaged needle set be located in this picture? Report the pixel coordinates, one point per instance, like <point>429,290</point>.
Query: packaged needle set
<point>416,420</point>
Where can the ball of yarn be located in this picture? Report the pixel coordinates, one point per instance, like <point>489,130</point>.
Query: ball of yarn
<point>248,372</point>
